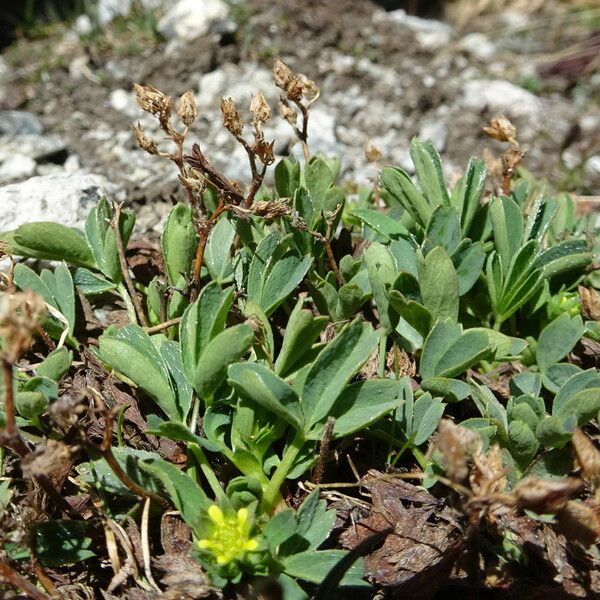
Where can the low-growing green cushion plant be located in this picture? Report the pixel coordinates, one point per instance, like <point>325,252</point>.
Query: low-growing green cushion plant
<point>276,328</point>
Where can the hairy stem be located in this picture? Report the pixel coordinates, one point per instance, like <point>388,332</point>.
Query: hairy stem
<point>20,583</point>
<point>272,493</point>
<point>141,315</point>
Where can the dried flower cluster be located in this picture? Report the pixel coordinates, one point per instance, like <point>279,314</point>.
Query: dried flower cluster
<point>19,314</point>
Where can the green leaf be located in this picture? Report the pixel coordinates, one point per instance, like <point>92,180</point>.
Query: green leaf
<point>552,433</point>
<point>319,179</point>
<point>274,272</point>
<point>283,279</point>
<point>558,339</point>
<point>399,184</point>
<point>302,331</point>
<point>507,222</point>
<point>60,543</point>
<point>91,283</point>
<point>363,403</point>
<point>467,198</point>
<point>223,350</point>
<point>280,527</point>
<point>429,172</point>
<point>443,228</point>
<point>427,412</point>
<point>448,351</point>
<point>523,443</point>
<point>287,177</point>
<point>381,223</point>
<point>452,390</point>
<point>439,285</point>
<point>187,496</point>
<point>98,473</point>
<point>314,565</point>
<point>178,431</point>
<point>51,241</point>
<point>468,262</point>
<point>30,405</point>
<point>101,238</point>
<point>217,255</point>
<point>261,385</point>
<point>130,351</point>
<point>56,364</point>
<point>179,241</point>
<point>201,322</point>
<point>335,366</point>
<point>576,383</point>
<point>382,272</point>
<point>584,405</point>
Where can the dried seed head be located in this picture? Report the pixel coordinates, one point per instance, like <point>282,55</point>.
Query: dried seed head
<point>19,313</point>
<point>580,522</point>
<point>372,153</point>
<point>501,129</point>
<point>231,117</point>
<point>488,475</point>
<point>152,100</point>
<point>294,90</point>
<point>194,184</point>
<point>145,143</point>
<point>264,151</point>
<point>456,445</point>
<point>399,361</point>
<point>511,159</point>
<point>288,113</point>
<point>588,457</point>
<point>544,496</point>
<point>186,108</point>
<point>260,109</point>
<point>270,210</point>
<point>590,302</point>
<point>282,74</point>
<point>309,88</point>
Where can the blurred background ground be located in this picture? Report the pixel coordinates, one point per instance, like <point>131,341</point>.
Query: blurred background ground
<point>388,70</point>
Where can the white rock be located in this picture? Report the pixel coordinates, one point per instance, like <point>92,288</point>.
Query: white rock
<point>436,132</point>
<point>124,102</point>
<point>17,122</point>
<point>190,19</point>
<point>237,82</point>
<point>66,199</point>
<point>16,167</point>
<point>430,34</point>
<point>4,77</point>
<point>83,25</point>
<point>477,45</point>
<point>37,147</point>
<point>592,168</point>
<point>500,96</point>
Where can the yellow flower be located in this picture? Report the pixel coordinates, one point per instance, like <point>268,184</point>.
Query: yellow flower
<point>229,536</point>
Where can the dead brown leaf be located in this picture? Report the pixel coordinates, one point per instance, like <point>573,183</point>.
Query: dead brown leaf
<point>590,303</point>
<point>587,456</point>
<point>417,558</point>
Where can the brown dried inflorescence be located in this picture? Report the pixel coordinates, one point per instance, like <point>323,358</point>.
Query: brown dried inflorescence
<point>231,116</point>
<point>19,314</point>
<point>187,109</point>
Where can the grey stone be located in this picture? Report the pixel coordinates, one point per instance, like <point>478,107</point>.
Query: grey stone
<point>436,132</point>
<point>37,147</point>
<point>500,96</point>
<point>430,33</point>
<point>477,45</point>
<point>16,122</point>
<point>66,199</point>
<point>190,19</point>
<point>16,167</point>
